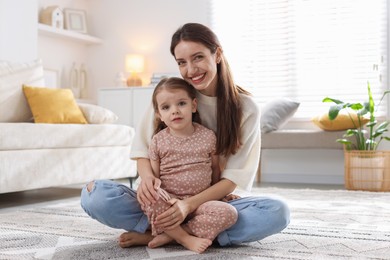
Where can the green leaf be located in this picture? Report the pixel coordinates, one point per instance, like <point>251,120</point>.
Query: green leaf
<point>351,132</point>
<point>343,141</point>
<point>356,106</point>
<point>328,99</point>
<point>379,132</point>
<point>373,123</point>
<point>383,96</point>
<point>370,100</point>
<point>384,124</point>
<point>334,111</point>
<point>371,144</point>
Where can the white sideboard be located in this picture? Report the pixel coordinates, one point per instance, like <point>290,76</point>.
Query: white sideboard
<point>128,103</point>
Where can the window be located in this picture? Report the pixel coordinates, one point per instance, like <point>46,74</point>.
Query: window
<point>305,49</point>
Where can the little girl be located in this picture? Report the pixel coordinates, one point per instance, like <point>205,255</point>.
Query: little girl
<point>182,156</point>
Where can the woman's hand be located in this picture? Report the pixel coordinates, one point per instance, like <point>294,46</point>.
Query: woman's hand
<point>146,192</point>
<point>173,216</point>
<point>230,197</point>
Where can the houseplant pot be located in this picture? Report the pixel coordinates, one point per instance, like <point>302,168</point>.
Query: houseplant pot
<point>366,168</point>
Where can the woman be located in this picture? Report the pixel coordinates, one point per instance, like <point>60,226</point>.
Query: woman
<point>235,118</point>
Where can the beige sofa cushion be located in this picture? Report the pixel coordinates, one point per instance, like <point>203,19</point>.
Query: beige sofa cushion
<point>13,104</point>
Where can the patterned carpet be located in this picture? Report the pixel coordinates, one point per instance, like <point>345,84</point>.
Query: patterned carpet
<point>325,225</point>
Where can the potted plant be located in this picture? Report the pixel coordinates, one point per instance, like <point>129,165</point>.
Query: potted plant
<point>366,168</point>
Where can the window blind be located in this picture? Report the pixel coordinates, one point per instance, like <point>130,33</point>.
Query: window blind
<point>305,50</point>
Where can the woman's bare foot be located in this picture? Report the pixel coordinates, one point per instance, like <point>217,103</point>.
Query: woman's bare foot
<point>160,240</point>
<point>196,244</point>
<point>129,239</point>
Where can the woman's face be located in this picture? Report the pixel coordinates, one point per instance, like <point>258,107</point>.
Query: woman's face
<point>198,66</point>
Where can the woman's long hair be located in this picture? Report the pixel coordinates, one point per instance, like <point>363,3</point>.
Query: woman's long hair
<point>172,84</point>
<point>229,107</point>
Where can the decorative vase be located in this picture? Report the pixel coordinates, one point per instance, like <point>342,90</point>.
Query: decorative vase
<point>74,81</point>
<point>83,82</point>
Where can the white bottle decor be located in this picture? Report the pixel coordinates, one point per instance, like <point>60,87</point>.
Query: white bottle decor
<point>83,82</point>
<point>74,81</point>
<point>120,80</point>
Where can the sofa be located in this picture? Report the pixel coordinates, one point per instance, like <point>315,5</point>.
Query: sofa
<point>35,153</point>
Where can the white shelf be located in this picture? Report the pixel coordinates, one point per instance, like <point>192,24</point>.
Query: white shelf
<point>47,30</point>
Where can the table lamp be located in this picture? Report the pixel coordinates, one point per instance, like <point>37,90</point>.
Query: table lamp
<point>134,65</point>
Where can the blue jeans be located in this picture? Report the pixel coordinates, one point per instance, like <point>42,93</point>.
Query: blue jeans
<point>116,206</point>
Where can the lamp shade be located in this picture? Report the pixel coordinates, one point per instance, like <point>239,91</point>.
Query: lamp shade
<point>135,63</point>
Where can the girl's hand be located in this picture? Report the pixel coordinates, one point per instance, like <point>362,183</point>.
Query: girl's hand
<point>173,216</point>
<point>146,192</point>
<point>230,197</point>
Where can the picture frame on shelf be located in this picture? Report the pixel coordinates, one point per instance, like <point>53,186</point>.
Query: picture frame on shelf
<point>75,20</point>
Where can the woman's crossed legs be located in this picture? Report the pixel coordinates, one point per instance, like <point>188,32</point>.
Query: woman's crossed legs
<point>116,205</point>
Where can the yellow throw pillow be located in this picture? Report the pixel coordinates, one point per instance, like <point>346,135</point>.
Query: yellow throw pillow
<point>53,105</point>
<point>342,122</point>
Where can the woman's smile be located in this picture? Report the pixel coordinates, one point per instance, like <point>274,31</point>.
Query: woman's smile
<point>198,79</point>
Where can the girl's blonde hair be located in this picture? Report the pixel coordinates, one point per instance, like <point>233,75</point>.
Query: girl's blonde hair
<point>171,84</point>
<point>229,104</point>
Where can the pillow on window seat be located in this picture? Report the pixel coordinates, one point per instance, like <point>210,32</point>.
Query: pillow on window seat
<point>343,121</point>
<point>276,113</point>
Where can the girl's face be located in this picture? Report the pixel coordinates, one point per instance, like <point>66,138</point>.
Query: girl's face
<point>198,66</point>
<point>175,109</point>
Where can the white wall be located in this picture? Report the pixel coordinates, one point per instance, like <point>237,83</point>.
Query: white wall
<point>137,26</point>
<point>18,34</point>
<point>125,26</point>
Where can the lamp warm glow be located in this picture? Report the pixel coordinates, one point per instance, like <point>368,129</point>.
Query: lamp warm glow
<point>134,64</point>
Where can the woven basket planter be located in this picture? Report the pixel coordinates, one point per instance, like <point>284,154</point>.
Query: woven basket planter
<point>367,170</point>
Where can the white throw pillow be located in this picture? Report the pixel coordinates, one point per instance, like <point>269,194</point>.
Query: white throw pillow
<point>13,104</point>
<point>97,114</point>
<point>276,113</point>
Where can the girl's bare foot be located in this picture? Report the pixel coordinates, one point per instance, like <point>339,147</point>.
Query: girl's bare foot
<point>196,244</point>
<point>159,240</point>
<point>129,239</point>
